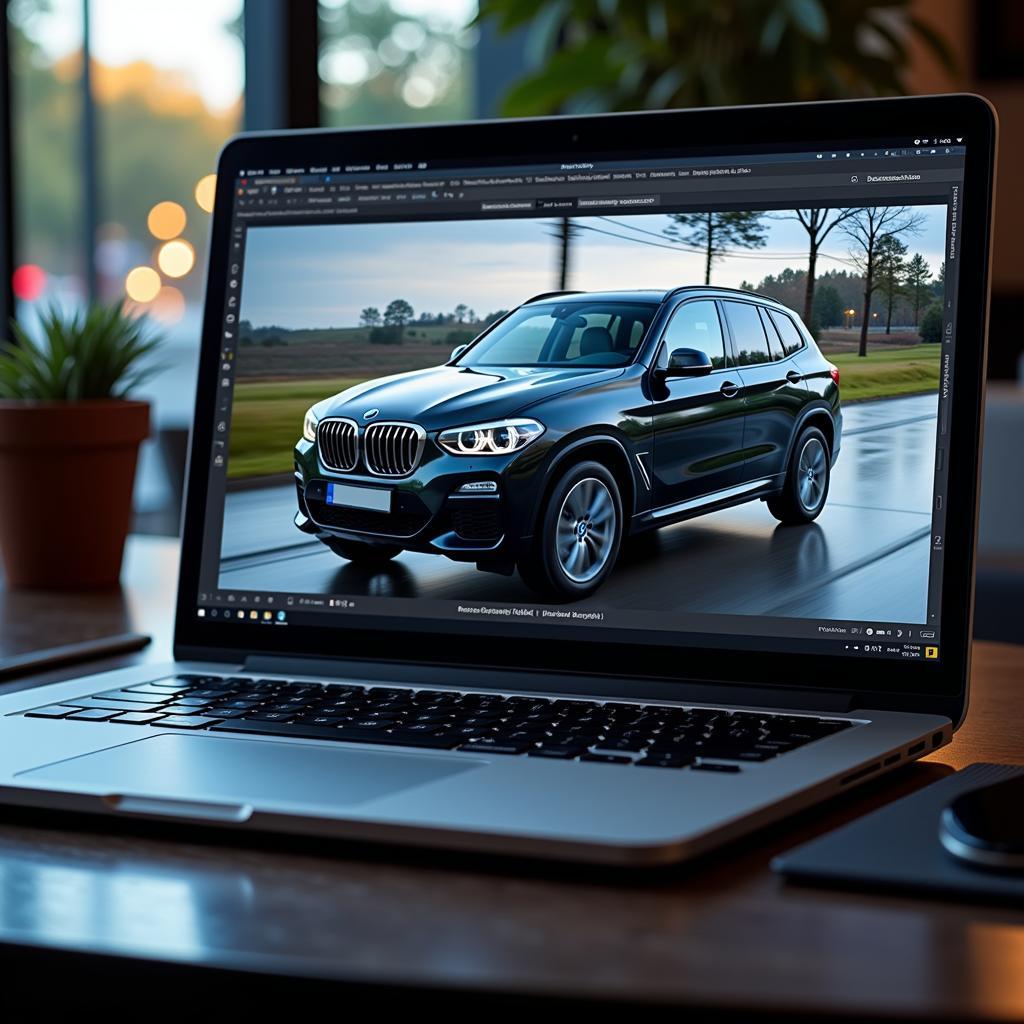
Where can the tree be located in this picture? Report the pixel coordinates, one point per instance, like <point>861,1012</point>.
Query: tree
<point>398,314</point>
<point>939,284</point>
<point>714,231</point>
<point>864,230</point>
<point>817,224</point>
<point>931,324</point>
<point>459,312</point>
<point>828,307</point>
<point>890,271</point>
<point>917,280</point>
<point>370,317</point>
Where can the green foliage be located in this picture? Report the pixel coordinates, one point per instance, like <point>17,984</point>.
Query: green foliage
<point>398,313</point>
<point>828,307</point>
<point>634,54</point>
<point>931,324</point>
<point>917,282</point>
<point>100,353</point>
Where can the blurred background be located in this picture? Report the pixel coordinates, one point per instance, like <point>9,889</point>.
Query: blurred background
<point>113,111</point>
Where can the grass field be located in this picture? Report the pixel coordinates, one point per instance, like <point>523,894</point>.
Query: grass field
<point>267,415</point>
<point>266,421</point>
<point>885,373</point>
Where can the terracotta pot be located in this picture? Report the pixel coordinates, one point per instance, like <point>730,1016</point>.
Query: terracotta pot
<point>67,471</point>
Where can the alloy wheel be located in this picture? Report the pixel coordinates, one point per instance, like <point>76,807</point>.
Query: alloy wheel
<point>585,535</point>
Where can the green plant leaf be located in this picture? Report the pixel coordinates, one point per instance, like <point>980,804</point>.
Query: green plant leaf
<point>104,352</point>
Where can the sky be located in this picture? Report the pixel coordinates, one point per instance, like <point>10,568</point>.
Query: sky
<point>189,36</point>
<point>315,276</point>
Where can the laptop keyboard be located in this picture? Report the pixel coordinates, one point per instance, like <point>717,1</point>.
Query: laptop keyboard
<point>613,732</point>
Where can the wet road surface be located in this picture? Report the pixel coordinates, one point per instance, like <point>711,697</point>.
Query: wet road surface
<point>865,557</point>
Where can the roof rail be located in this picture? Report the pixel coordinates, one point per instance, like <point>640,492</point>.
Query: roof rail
<point>721,288</point>
<point>551,295</point>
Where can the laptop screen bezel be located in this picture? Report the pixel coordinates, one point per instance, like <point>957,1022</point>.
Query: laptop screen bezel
<point>940,687</point>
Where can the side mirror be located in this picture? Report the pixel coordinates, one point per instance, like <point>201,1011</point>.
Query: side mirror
<point>456,352</point>
<point>688,362</point>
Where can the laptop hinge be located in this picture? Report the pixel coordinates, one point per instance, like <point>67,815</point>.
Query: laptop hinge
<point>610,687</point>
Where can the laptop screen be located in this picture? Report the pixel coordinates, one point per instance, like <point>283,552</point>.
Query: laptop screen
<point>698,397</point>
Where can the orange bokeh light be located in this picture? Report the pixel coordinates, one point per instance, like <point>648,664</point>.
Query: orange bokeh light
<point>166,220</point>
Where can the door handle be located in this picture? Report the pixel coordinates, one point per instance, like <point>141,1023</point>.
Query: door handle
<point>729,390</point>
<point>793,377</point>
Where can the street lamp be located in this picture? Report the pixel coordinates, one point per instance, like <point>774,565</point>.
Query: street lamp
<point>850,314</point>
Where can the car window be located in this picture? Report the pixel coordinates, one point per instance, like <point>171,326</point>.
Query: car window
<point>774,344</point>
<point>792,339</point>
<point>696,325</point>
<point>575,333</point>
<point>747,333</point>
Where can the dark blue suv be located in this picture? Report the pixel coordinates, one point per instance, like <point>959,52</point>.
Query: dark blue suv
<point>575,421</point>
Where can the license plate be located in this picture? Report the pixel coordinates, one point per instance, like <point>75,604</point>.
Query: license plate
<point>374,499</point>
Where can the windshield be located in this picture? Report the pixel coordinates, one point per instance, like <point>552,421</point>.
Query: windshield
<point>578,333</point>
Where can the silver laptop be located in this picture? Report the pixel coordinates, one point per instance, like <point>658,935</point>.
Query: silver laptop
<point>595,488</point>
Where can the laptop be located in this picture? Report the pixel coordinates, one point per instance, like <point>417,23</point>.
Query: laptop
<point>598,488</point>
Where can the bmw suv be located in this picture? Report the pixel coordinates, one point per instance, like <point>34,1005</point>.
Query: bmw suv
<point>577,420</point>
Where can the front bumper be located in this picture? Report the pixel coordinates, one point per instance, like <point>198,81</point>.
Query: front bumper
<point>427,513</point>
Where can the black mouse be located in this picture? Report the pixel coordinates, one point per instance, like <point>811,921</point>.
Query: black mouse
<point>985,827</point>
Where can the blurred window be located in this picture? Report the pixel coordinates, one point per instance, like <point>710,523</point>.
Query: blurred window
<point>166,83</point>
<point>389,61</point>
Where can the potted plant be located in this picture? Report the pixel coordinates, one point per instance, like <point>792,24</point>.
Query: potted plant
<point>69,441</point>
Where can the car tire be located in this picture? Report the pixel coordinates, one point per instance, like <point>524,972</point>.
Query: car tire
<point>578,536</point>
<point>807,480</point>
<point>363,554</point>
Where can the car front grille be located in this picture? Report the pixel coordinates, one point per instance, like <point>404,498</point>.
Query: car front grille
<point>338,446</point>
<point>392,449</point>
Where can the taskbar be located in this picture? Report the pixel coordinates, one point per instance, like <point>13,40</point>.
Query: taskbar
<point>850,638</point>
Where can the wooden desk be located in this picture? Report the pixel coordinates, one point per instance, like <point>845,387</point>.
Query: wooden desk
<point>723,935</point>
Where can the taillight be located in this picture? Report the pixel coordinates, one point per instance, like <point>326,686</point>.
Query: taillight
<point>833,372</point>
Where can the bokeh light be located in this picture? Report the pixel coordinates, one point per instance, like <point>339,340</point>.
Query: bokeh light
<point>28,282</point>
<point>169,305</point>
<point>166,220</point>
<point>142,284</point>
<point>176,258</point>
<point>206,189</point>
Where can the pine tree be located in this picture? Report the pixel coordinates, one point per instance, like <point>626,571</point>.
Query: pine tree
<point>715,231</point>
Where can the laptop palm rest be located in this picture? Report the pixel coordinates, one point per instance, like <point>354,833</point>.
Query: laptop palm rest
<point>223,778</point>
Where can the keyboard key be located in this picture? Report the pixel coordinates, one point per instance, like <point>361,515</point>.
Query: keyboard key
<point>168,688</point>
<point>560,753</point>
<point>136,718</point>
<point>133,696</point>
<point>53,711</point>
<point>710,766</point>
<point>222,712</point>
<point>664,762</point>
<point>607,758</point>
<point>299,730</point>
<point>182,709</point>
<point>92,715</point>
<point>185,722</point>
<point>112,705</point>
<point>486,746</point>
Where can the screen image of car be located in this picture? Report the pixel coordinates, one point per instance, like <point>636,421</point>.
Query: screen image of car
<point>590,414</point>
<point>525,451</point>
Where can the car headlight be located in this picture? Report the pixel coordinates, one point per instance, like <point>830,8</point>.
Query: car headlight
<point>309,425</point>
<point>501,438</point>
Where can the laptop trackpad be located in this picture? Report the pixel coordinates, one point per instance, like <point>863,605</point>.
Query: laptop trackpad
<point>248,772</point>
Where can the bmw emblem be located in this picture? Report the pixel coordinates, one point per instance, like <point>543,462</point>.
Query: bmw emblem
<point>370,413</point>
